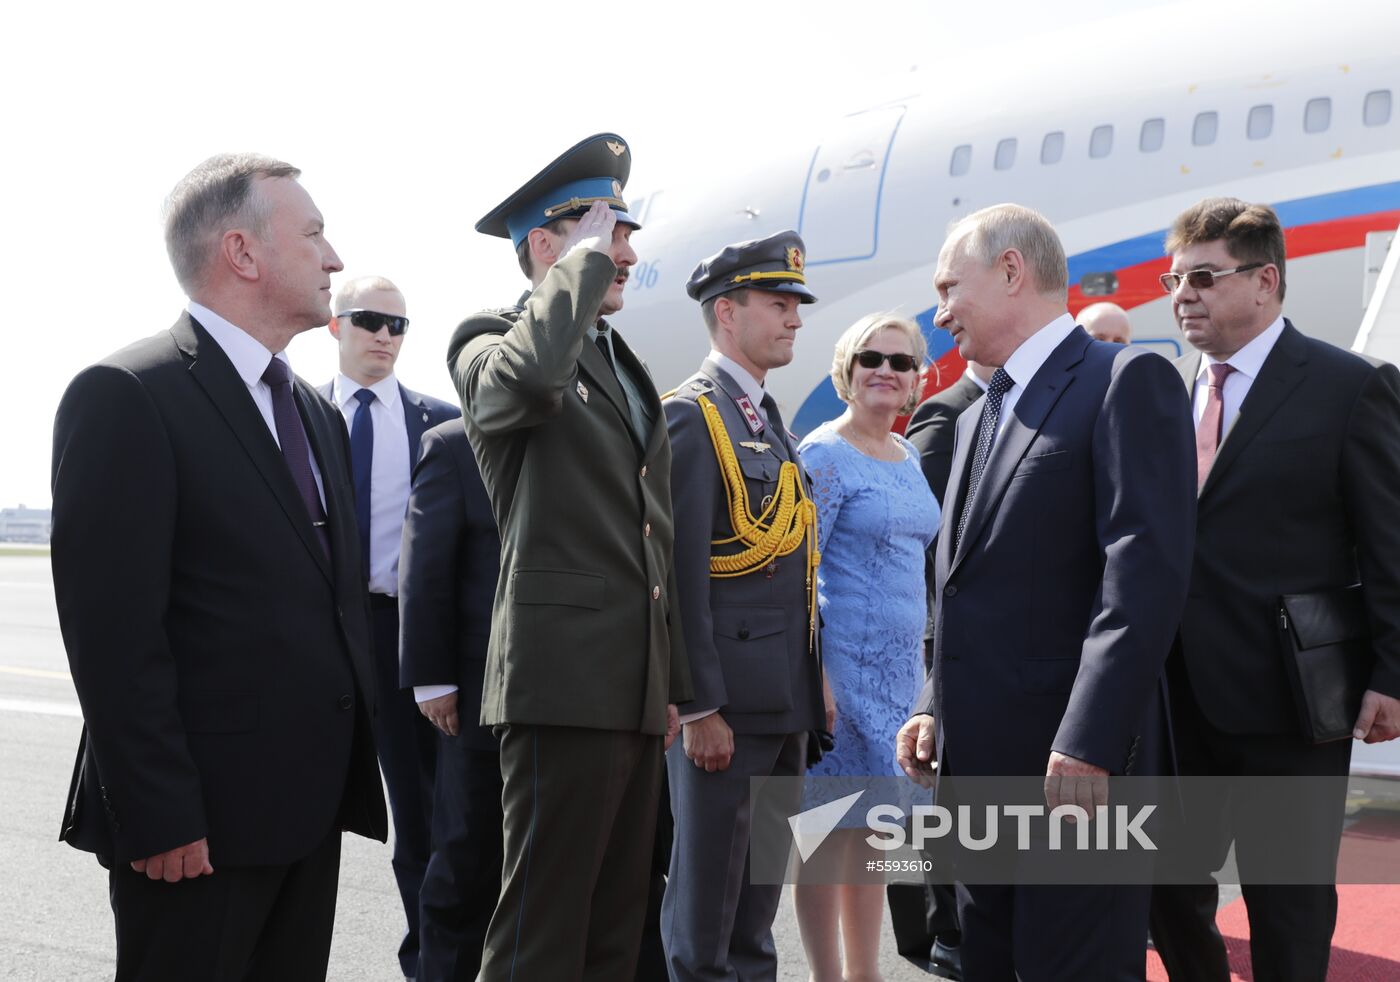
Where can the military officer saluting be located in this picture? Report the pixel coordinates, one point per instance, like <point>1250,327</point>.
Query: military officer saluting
<point>746,557</point>
<point>585,660</point>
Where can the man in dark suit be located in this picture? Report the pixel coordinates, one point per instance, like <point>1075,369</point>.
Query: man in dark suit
<point>447,580</point>
<point>385,422</point>
<point>207,572</point>
<point>750,629</point>
<point>1060,574</point>
<point>1298,456</point>
<point>585,662</point>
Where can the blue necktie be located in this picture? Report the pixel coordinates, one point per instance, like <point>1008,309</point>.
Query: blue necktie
<point>997,389</point>
<point>361,465</point>
<point>296,449</point>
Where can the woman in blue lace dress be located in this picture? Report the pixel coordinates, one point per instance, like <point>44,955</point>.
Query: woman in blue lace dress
<point>876,516</point>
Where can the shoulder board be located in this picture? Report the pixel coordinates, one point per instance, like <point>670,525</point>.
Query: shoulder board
<point>691,389</point>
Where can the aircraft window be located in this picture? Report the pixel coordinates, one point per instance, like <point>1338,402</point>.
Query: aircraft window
<point>962,160</point>
<point>1006,154</point>
<point>1203,130</point>
<point>1098,284</point>
<point>1153,132</point>
<point>1261,122</point>
<point>1100,141</point>
<point>1377,109</point>
<point>1317,115</point>
<point>1052,148</point>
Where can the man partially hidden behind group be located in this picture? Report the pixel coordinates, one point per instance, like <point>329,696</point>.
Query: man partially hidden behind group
<point>1060,573</point>
<point>207,571</point>
<point>746,570</point>
<point>386,421</point>
<point>586,659</point>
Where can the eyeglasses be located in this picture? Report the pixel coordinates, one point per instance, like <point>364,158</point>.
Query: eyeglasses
<point>869,358</point>
<point>373,320</point>
<point>1201,279</point>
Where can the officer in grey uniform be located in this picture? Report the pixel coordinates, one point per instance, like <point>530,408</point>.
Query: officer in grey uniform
<point>585,660</point>
<point>746,556</point>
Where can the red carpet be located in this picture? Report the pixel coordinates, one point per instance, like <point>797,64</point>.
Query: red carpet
<point>1365,947</point>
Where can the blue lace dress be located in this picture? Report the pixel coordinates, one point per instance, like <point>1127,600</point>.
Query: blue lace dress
<point>875,519</point>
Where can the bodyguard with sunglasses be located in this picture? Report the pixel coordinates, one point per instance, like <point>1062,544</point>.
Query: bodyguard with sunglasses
<point>1298,467</point>
<point>386,422</point>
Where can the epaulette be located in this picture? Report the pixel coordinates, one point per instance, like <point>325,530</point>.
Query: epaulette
<point>691,389</point>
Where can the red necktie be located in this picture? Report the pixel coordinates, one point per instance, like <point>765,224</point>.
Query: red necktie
<point>1208,429</point>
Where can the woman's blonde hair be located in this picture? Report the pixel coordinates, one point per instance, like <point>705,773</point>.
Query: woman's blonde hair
<point>854,338</point>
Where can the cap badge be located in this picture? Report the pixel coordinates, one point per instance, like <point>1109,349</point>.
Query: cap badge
<point>617,147</point>
<point>583,392</point>
<point>617,189</point>
<point>795,260</point>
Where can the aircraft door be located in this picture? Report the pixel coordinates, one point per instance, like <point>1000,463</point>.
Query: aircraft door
<point>840,214</point>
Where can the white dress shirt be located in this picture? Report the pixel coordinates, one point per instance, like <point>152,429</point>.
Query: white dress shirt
<point>977,379</point>
<point>1026,360</point>
<point>1246,363</point>
<point>250,359</point>
<point>390,474</point>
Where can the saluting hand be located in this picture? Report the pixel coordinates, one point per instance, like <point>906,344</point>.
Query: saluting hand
<point>594,230</point>
<point>709,742</point>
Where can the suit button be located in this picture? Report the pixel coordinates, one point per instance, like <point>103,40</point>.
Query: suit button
<point>646,530</point>
<point>656,593</point>
<point>950,590</point>
<point>346,702</point>
<point>644,470</point>
<point>743,634</point>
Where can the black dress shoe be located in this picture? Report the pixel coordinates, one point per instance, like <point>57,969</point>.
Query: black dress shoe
<point>945,961</point>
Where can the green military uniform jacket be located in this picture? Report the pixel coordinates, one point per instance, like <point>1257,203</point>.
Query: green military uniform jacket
<point>586,625</point>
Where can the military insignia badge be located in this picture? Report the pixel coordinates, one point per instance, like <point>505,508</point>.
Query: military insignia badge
<point>425,417</point>
<point>583,392</point>
<point>795,259</point>
<point>617,189</point>
<point>617,147</point>
<point>750,415</point>
<point>757,446</point>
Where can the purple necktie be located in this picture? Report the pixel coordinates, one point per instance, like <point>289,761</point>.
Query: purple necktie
<point>296,451</point>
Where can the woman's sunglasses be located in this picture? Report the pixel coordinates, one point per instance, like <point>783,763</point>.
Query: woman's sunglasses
<point>868,358</point>
<point>373,320</point>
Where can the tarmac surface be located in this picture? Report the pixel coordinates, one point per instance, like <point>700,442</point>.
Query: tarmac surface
<point>55,920</point>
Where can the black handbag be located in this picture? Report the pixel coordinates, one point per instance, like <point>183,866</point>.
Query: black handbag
<point>1327,647</point>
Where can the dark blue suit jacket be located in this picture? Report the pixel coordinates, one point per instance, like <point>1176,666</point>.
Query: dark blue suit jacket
<point>420,412</point>
<point>448,569</point>
<point>1054,618</point>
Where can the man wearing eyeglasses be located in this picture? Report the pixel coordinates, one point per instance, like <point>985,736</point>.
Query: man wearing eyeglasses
<point>750,627</point>
<point>1298,467</point>
<point>386,422</point>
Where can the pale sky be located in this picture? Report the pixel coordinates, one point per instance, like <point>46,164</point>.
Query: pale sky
<point>409,121</point>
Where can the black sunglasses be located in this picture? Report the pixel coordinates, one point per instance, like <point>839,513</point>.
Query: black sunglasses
<point>869,358</point>
<point>373,320</point>
<point>1200,279</point>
